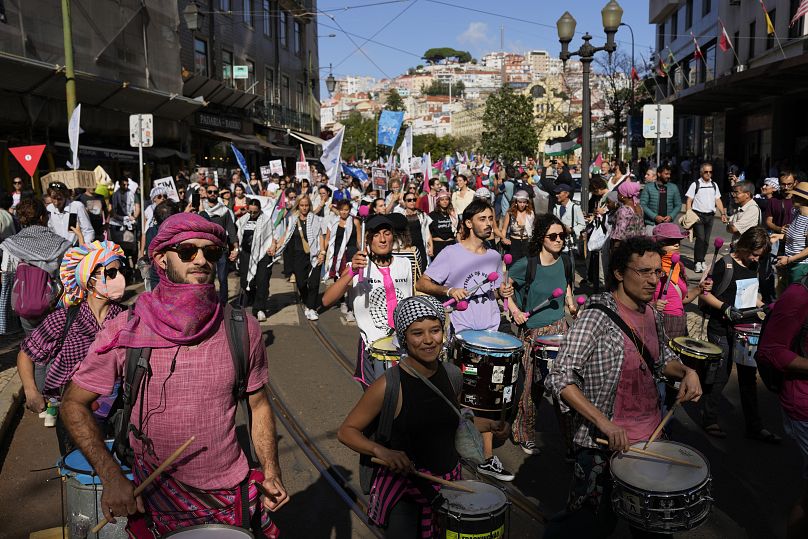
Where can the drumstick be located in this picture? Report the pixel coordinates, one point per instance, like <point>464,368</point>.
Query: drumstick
<point>653,454</point>
<point>506,261</point>
<point>364,211</point>
<point>493,276</point>
<point>661,425</point>
<point>429,477</point>
<point>718,244</point>
<point>674,262</point>
<point>152,476</point>
<point>557,293</point>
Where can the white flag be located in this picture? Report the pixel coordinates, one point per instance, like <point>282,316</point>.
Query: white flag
<point>405,151</point>
<point>331,158</point>
<point>73,130</point>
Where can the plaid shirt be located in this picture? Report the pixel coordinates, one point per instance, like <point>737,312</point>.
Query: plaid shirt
<point>591,357</point>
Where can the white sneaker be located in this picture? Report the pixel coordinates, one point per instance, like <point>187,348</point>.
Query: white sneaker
<point>50,420</point>
<point>349,317</point>
<point>343,308</point>
<point>43,414</point>
<point>312,315</point>
<point>261,316</point>
<point>699,267</point>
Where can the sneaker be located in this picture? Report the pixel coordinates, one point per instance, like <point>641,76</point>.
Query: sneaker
<point>343,308</point>
<point>529,447</point>
<point>699,267</point>
<point>493,468</point>
<point>43,414</point>
<point>261,316</point>
<point>292,278</point>
<point>314,315</point>
<point>349,317</point>
<point>50,420</point>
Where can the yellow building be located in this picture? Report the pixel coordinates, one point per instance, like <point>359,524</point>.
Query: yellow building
<point>468,123</point>
<point>551,109</point>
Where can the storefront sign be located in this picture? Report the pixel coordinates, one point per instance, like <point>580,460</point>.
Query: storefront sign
<point>215,121</point>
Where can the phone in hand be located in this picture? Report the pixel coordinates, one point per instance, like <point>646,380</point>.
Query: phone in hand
<point>72,221</point>
<point>195,200</point>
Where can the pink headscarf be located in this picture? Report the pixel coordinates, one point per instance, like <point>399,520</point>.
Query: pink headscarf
<point>629,189</point>
<point>175,314</point>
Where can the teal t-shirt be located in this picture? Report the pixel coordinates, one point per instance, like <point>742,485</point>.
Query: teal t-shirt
<point>547,279</point>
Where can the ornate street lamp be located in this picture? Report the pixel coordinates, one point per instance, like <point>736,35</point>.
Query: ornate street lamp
<point>193,16</point>
<point>330,81</point>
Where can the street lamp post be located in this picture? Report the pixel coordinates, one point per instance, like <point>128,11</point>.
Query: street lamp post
<point>633,98</point>
<point>611,15</point>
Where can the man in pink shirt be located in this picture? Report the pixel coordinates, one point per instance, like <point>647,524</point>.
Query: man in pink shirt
<point>189,392</point>
<point>784,346</point>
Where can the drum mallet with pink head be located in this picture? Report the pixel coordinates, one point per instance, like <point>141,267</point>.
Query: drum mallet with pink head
<point>493,276</point>
<point>557,293</point>
<point>364,211</point>
<point>718,243</point>
<point>675,257</point>
<point>506,261</point>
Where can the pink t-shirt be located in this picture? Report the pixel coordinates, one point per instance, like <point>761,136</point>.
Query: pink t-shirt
<point>636,405</point>
<point>675,307</point>
<point>195,400</point>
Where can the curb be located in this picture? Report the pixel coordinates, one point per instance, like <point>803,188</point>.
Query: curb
<point>11,398</point>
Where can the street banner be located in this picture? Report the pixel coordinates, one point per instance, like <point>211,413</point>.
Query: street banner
<point>265,173</point>
<point>563,145</point>
<point>276,167</point>
<point>331,158</point>
<point>168,184</point>
<point>28,156</point>
<point>405,151</point>
<point>355,172</point>
<point>73,131</point>
<point>379,178</point>
<point>242,163</point>
<point>266,203</point>
<point>389,126</point>
<point>302,171</point>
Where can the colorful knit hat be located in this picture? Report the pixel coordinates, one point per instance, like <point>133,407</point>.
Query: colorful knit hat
<point>78,265</point>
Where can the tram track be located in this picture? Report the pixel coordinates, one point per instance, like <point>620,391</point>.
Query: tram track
<point>514,495</point>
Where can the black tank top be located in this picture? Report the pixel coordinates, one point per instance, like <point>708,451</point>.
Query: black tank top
<point>425,428</point>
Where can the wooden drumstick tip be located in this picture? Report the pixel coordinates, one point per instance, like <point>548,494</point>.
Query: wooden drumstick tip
<point>429,477</point>
<point>653,454</point>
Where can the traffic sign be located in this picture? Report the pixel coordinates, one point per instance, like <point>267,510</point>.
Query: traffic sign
<point>661,113</point>
<point>141,130</point>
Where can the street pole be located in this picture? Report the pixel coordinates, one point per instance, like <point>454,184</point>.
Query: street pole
<point>586,128</point>
<point>658,119</point>
<point>140,168</point>
<point>633,98</point>
<point>70,74</point>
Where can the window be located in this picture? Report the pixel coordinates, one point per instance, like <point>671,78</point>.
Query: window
<point>798,28</point>
<point>250,76</point>
<point>688,14</point>
<point>285,90</point>
<point>227,67</point>
<point>706,7</point>
<point>751,51</point>
<point>660,37</point>
<point>266,13</point>
<point>282,29</point>
<point>247,12</point>
<point>301,102</point>
<point>770,37</point>
<point>708,70</point>
<point>674,25</point>
<point>200,57</point>
<point>224,5</point>
<point>298,37</point>
<point>269,86</point>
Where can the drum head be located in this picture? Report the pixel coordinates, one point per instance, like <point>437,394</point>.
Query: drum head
<point>211,531</point>
<point>749,329</point>
<point>550,341</point>
<point>385,344</point>
<point>695,347</point>
<point>654,475</point>
<point>486,499</point>
<point>493,343</point>
<point>75,465</point>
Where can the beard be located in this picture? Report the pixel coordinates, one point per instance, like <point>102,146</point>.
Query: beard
<point>176,276</point>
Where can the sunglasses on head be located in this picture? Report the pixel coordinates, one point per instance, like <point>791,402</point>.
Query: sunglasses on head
<point>556,235</point>
<point>188,251</point>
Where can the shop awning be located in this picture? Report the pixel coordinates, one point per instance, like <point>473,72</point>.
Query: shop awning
<point>216,91</point>
<point>43,79</point>
<point>303,137</point>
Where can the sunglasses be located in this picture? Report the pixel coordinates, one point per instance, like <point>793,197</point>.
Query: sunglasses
<point>111,273</point>
<point>555,236</point>
<point>17,183</point>
<point>188,251</point>
<point>213,192</point>
<point>410,200</point>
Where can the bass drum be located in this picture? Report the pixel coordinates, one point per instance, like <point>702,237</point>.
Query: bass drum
<point>481,514</point>
<point>701,356</point>
<point>489,361</point>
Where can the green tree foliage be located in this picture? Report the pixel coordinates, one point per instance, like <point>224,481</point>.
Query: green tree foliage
<point>360,137</point>
<point>440,146</point>
<point>618,97</point>
<point>442,88</point>
<point>435,55</point>
<point>394,101</point>
<point>509,130</point>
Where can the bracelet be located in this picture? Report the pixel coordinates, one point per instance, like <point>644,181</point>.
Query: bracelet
<point>449,291</point>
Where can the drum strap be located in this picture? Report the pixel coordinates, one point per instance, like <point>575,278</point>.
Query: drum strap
<point>646,355</point>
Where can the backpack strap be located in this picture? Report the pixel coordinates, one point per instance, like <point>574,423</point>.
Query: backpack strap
<point>70,317</point>
<point>726,280</point>
<point>238,340</point>
<point>392,388</point>
<point>532,264</point>
<point>455,376</point>
<point>624,327</point>
<point>568,269</point>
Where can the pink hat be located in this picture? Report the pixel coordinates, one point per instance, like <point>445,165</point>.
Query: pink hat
<point>668,231</point>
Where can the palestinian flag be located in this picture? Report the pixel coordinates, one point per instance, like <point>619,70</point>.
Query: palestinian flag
<point>564,145</point>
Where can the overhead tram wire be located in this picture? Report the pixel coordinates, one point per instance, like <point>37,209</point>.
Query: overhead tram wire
<point>358,48</point>
<point>346,8</point>
<point>391,47</point>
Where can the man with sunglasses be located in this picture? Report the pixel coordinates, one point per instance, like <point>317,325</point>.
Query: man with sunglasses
<point>192,375</point>
<point>605,375</point>
<point>16,194</point>
<point>214,210</point>
<point>704,198</point>
<point>61,208</point>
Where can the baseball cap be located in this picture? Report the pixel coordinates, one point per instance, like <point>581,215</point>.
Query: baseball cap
<point>562,187</point>
<point>668,231</point>
<point>379,221</point>
<point>482,192</point>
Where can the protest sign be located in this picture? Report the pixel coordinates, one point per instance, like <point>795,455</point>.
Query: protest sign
<point>168,184</point>
<point>302,170</point>
<point>265,173</point>
<point>276,167</point>
<point>379,178</point>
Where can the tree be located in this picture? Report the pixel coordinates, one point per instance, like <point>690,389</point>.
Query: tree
<point>442,88</point>
<point>509,130</point>
<point>435,55</point>
<point>394,101</point>
<point>360,137</point>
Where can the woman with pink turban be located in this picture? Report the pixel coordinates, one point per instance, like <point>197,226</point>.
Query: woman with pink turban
<point>93,285</point>
<point>628,219</point>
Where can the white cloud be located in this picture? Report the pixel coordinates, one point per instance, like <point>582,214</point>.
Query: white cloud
<point>475,35</point>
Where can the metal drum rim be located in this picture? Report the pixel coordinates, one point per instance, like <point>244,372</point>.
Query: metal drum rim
<point>246,533</point>
<point>472,347</point>
<point>707,480</point>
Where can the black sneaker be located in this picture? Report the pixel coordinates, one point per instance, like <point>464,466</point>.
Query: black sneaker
<point>493,468</point>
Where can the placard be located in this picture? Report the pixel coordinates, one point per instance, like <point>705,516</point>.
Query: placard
<point>415,164</point>
<point>168,184</point>
<point>380,178</point>
<point>276,167</point>
<point>73,179</point>
<point>265,173</point>
<point>302,170</point>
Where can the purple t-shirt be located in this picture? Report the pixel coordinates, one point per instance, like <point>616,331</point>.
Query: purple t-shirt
<point>457,267</point>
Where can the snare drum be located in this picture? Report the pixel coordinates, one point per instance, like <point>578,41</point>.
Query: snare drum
<point>543,352</point>
<point>659,496</point>
<point>701,356</point>
<point>745,344</point>
<point>384,350</point>
<point>483,513</point>
<point>83,498</point>
<point>489,361</point>
<point>211,531</point>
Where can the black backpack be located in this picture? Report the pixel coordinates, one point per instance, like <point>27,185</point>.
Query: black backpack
<point>532,265</point>
<point>773,378</point>
<point>133,389</point>
<point>726,280</point>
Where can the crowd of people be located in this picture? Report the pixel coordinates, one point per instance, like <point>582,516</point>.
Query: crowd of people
<point>422,267</point>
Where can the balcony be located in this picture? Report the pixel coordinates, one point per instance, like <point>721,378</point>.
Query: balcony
<point>279,116</point>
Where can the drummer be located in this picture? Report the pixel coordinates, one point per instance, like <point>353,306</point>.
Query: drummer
<point>724,304</point>
<point>547,270</point>
<point>601,376</point>
<point>387,281</point>
<point>423,432</point>
<point>457,269</point>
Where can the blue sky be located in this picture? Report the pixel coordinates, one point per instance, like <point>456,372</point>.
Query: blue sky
<point>473,25</point>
